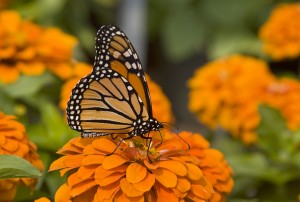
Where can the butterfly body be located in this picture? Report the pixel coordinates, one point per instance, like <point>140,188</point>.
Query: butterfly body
<point>114,98</point>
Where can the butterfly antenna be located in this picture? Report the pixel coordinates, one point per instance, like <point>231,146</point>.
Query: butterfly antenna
<point>170,124</point>
<point>189,147</point>
<point>161,139</point>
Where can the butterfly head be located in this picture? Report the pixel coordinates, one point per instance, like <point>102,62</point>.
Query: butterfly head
<point>143,127</point>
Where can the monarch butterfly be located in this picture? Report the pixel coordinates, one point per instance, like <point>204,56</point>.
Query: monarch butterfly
<point>114,98</point>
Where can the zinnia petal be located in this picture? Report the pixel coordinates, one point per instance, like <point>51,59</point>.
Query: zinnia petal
<point>202,189</point>
<point>73,161</point>
<point>183,185</point>
<point>85,172</point>
<point>165,177</point>
<point>58,164</point>
<point>194,172</point>
<point>82,187</point>
<point>150,165</point>
<point>113,161</point>
<point>101,173</point>
<point>174,166</point>
<point>121,197</point>
<point>93,160</point>
<point>104,145</point>
<point>135,173</point>
<point>129,189</point>
<point>63,194</point>
<point>107,192</point>
<point>110,179</point>
<point>146,183</point>
<point>164,194</point>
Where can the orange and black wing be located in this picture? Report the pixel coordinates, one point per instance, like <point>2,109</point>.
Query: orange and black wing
<point>103,103</point>
<point>115,51</point>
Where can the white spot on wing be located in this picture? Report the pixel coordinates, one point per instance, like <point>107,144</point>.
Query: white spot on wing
<point>127,64</point>
<point>116,54</point>
<point>126,54</point>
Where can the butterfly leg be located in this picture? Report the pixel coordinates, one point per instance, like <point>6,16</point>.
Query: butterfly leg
<point>112,136</point>
<point>148,145</point>
<point>126,138</point>
<point>161,139</point>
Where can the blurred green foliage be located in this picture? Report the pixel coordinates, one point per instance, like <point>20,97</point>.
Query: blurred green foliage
<point>269,170</point>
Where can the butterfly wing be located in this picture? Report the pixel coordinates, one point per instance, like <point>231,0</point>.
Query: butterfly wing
<point>115,51</point>
<point>103,103</point>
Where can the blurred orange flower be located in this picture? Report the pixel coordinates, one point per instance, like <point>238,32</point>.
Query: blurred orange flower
<point>79,70</point>
<point>220,85</point>
<point>160,103</point>
<point>127,175</point>
<point>14,141</point>
<point>228,92</point>
<point>4,3</point>
<point>29,49</point>
<point>281,32</point>
<point>43,199</point>
<point>284,94</point>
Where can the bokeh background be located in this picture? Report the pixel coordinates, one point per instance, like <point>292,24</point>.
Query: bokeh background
<point>173,38</point>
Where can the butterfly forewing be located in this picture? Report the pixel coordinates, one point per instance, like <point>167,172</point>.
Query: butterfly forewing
<point>104,102</point>
<point>115,51</point>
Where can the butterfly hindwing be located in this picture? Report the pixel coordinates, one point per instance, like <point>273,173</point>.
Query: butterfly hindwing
<point>115,51</point>
<point>103,103</point>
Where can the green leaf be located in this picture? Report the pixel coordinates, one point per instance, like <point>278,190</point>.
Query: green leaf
<point>244,164</point>
<point>13,167</point>
<point>228,43</point>
<point>57,127</point>
<point>54,181</point>
<point>27,85</point>
<point>274,137</point>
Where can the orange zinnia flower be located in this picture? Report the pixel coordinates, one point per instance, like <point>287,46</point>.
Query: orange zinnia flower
<point>160,102</point>
<point>281,33</point>
<point>227,93</point>
<point>284,94</point>
<point>161,105</point>
<point>29,49</point>
<point>175,174</point>
<point>221,85</point>
<point>14,141</point>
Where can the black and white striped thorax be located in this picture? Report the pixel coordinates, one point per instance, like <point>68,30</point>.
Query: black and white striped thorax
<point>141,128</point>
